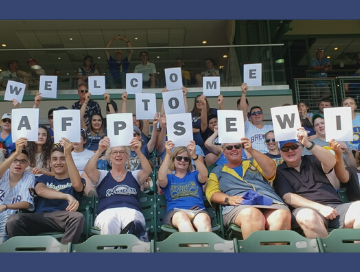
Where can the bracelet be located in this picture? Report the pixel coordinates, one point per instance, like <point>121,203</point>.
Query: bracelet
<point>194,159</point>
<point>6,207</point>
<point>311,147</point>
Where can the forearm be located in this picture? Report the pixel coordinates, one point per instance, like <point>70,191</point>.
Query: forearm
<point>203,118</point>
<point>145,165</point>
<point>243,104</point>
<point>209,144</point>
<point>82,114</point>
<point>164,167</point>
<point>91,167</point>
<point>267,165</point>
<point>111,108</point>
<point>124,107</point>
<point>219,198</point>
<point>324,156</point>
<point>160,143</point>
<point>195,130</point>
<point>203,172</point>
<point>50,193</point>
<point>151,144</point>
<point>22,205</point>
<point>73,174</point>
<point>297,201</point>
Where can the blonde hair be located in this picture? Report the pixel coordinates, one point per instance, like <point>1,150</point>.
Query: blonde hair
<point>348,97</point>
<point>176,152</point>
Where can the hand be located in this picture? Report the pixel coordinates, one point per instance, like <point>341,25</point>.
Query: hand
<point>164,90</point>
<point>303,137</point>
<point>38,171</point>
<point>220,100</point>
<point>244,88</point>
<point>38,99</point>
<point>107,97</point>
<point>163,122</point>
<point>202,98</point>
<point>73,204</point>
<point>135,145</point>
<point>3,150</point>
<point>68,147</point>
<point>124,96</point>
<point>328,212</point>
<point>191,147</point>
<point>246,144</point>
<point>104,144</point>
<point>87,97</point>
<point>235,200</point>
<point>215,128</point>
<point>15,103</point>
<point>2,208</point>
<point>185,91</point>
<point>155,120</point>
<point>20,144</point>
<point>344,147</point>
<point>335,146</point>
<point>168,146</point>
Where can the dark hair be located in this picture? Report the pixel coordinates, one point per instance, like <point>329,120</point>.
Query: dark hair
<point>23,151</point>
<point>57,148</point>
<point>83,84</point>
<point>83,133</point>
<point>238,101</point>
<point>255,107</point>
<point>212,61</point>
<point>11,62</point>
<point>56,71</point>
<point>101,132</point>
<point>144,53</point>
<point>268,133</point>
<point>113,103</point>
<point>45,150</point>
<point>90,58</point>
<point>195,111</point>
<point>325,99</point>
<point>305,103</point>
<point>211,116</point>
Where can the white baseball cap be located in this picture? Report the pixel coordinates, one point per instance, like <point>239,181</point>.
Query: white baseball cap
<point>6,115</point>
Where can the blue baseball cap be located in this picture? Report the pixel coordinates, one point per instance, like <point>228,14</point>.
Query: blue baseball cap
<point>292,141</point>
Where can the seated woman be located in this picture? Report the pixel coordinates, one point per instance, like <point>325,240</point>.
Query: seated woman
<point>87,70</point>
<point>118,190</point>
<point>39,153</point>
<point>273,146</point>
<point>305,119</point>
<point>81,156</point>
<point>183,190</point>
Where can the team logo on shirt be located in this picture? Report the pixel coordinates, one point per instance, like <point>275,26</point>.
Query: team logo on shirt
<point>252,168</point>
<point>120,190</point>
<point>32,191</point>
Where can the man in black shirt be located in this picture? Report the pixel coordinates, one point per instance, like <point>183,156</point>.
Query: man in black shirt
<point>303,185</point>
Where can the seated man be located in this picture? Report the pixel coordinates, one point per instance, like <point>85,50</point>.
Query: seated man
<point>59,197</point>
<point>232,185</point>
<point>324,103</point>
<point>12,74</point>
<point>302,183</point>
<point>147,69</point>
<point>210,71</point>
<point>16,186</point>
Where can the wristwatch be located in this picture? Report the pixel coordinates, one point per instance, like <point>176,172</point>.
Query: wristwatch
<point>226,200</point>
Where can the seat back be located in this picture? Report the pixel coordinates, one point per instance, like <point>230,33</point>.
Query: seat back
<point>194,242</point>
<point>34,244</point>
<point>276,241</point>
<point>113,243</point>
<point>148,210</point>
<point>340,240</point>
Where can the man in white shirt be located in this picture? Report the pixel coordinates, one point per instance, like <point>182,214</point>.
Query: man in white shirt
<point>148,70</point>
<point>10,74</point>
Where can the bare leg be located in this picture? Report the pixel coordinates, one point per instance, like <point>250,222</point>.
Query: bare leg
<point>250,220</point>
<point>311,223</point>
<point>182,222</point>
<point>277,219</point>
<point>202,222</point>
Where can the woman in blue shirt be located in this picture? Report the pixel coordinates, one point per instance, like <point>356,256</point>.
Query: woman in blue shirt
<point>183,190</point>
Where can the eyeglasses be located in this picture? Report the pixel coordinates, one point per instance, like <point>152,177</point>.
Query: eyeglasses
<point>256,112</point>
<point>84,91</point>
<point>19,161</point>
<point>118,152</point>
<point>270,140</point>
<point>287,148</point>
<point>180,158</point>
<point>230,147</point>
<point>50,117</point>
<point>6,120</point>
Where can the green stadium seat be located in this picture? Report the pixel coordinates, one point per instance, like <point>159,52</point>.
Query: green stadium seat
<point>343,195</point>
<point>269,241</point>
<point>113,243</point>
<point>34,244</point>
<point>340,240</point>
<point>194,242</point>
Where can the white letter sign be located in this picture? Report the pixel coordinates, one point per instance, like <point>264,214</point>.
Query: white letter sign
<point>253,74</point>
<point>179,128</point>
<point>230,126</point>
<point>173,79</point>
<point>211,86</point>
<point>134,83</point>
<point>25,123</point>
<point>48,86</point>
<point>97,85</point>
<point>120,128</point>
<point>338,124</point>
<point>285,121</point>
<point>14,90</point>
<point>145,106</point>
<point>173,102</point>
<point>67,125</point>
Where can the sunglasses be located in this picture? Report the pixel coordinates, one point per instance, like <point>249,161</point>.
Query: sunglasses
<point>6,120</point>
<point>180,158</point>
<point>287,148</point>
<point>19,161</point>
<point>230,147</point>
<point>50,117</point>
<point>198,101</point>
<point>84,91</point>
<point>270,140</point>
<point>256,112</point>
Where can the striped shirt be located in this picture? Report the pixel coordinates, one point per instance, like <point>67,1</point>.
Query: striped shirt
<point>257,136</point>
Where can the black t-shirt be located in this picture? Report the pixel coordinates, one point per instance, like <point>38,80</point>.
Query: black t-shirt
<point>206,134</point>
<point>310,183</point>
